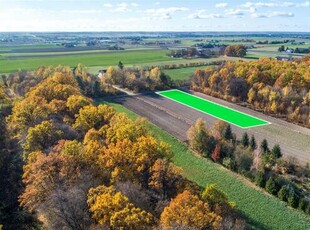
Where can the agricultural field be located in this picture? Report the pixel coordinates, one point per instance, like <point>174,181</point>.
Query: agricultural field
<point>183,73</point>
<point>229,115</point>
<point>252,202</point>
<point>177,118</point>
<point>34,52</point>
<point>173,73</point>
<point>104,59</point>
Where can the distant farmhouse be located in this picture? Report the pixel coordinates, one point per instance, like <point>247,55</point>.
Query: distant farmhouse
<point>102,73</point>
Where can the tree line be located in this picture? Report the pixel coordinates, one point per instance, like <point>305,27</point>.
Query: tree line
<point>278,88</point>
<point>285,179</point>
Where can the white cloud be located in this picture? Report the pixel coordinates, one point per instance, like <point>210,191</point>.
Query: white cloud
<point>276,4</point>
<point>121,7</point>
<point>235,12</point>
<point>240,11</point>
<point>272,14</point>
<point>260,4</point>
<point>200,14</point>
<point>165,13</point>
<point>221,5</point>
<point>91,11</point>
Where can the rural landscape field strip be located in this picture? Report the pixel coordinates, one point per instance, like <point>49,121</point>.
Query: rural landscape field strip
<point>101,59</point>
<point>261,210</point>
<point>234,117</point>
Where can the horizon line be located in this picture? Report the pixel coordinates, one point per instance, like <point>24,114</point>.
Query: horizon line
<point>154,31</point>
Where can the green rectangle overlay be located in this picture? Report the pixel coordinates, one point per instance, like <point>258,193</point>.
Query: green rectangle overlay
<point>224,113</point>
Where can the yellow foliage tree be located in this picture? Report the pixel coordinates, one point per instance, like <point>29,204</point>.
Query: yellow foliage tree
<point>112,209</point>
<point>93,117</point>
<point>127,160</point>
<point>121,127</point>
<point>187,211</point>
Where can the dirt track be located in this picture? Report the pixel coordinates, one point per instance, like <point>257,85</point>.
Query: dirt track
<point>176,119</point>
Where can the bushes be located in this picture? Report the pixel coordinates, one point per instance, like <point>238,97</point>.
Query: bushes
<point>292,199</point>
<point>283,193</point>
<point>261,166</point>
<point>271,186</point>
<point>260,180</point>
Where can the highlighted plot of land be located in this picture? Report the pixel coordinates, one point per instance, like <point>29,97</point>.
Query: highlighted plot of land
<point>232,116</point>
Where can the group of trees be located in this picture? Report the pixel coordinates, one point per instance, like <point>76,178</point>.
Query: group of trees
<point>73,165</point>
<point>235,51</point>
<point>183,53</point>
<point>294,50</point>
<point>11,168</point>
<point>138,79</point>
<point>202,51</point>
<point>21,82</point>
<point>274,42</point>
<point>275,87</point>
<point>262,165</point>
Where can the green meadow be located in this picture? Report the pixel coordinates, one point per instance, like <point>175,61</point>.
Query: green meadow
<point>102,59</point>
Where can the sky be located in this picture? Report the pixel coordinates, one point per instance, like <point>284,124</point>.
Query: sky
<point>145,15</point>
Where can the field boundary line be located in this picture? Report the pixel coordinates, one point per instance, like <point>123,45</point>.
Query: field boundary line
<point>245,127</point>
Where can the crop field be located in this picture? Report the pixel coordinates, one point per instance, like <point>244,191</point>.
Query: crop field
<point>182,73</point>
<point>232,116</point>
<point>252,202</point>
<point>170,61</point>
<point>173,61</point>
<point>104,59</point>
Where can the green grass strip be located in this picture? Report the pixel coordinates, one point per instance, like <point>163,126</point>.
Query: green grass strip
<point>218,111</point>
<point>261,210</point>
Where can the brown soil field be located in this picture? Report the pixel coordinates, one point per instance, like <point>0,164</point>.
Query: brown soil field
<point>176,118</point>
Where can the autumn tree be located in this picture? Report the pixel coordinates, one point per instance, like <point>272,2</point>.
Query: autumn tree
<point>200,139</point>
<point>93,117</point>
<point>189,211</point>
<point>122,127</point>
<point>127,160</point>
<point>216,154</point>
<point>235,50</point>
<point>28,113</point>
<point>41,137</point>
<point>112,209</point>
<point>76,102</point>
<point>165,178</point>
<point>213,195</point>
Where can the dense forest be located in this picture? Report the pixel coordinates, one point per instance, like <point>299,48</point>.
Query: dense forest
<point>66,163</point>
<point>279,88</point>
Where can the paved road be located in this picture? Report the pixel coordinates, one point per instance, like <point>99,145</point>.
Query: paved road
<point>176,118</point>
